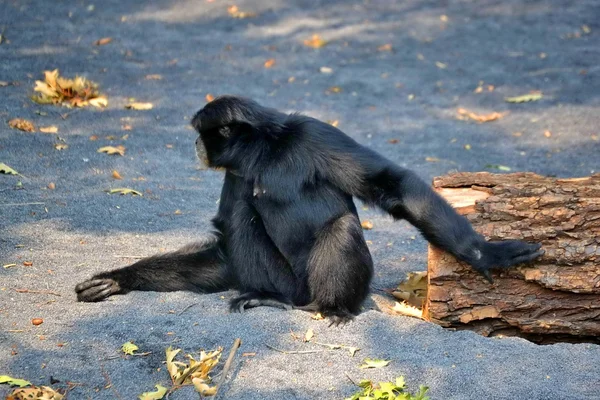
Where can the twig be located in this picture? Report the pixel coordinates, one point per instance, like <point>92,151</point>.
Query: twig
<point>119,256</point>
<point>109,382</point>
<point>187,308</point>
<point>236,344</point>
<point>22,204</point>
<point>294,351</point>
<point>38,292</point>
<point>350,379</point>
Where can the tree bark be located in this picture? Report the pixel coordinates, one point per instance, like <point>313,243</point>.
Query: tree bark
<point>557,298</point>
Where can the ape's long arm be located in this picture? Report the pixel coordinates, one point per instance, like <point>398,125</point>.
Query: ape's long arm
<point>400,192</point>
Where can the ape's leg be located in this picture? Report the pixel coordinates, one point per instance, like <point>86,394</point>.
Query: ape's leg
<point>339,270</point>
<point>258,299</point>
<point>198,267</point>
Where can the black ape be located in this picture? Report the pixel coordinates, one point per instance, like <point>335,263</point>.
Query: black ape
<point>287,231</point>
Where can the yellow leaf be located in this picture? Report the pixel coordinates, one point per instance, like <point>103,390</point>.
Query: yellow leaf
<point>158,394</point>
<point>21,124</point>
<point>139,106</point>
<point>5,169</point>
<point>309,335</point>
<point>203,388</point>
<point>432,159</point>
<point>479,117</point>
<point>99,102</point>
<point>129,348</point>
<point>77,92</point>
<point>316,42</point>
<point>524,98</point>
<point>49,129</point>
<point>441,65</point>
<point>61,146</point>
<point>154,77</point>
<point>120,150</point>
<point>335,89</point>
<point>366,225</point>
<point>318,317</point>
<point>124,191</point>
<point>374,363</point>
<point>35,393</point>
<point>14,381</point>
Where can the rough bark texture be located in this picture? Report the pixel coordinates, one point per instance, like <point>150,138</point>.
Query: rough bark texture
<point>555,299</point>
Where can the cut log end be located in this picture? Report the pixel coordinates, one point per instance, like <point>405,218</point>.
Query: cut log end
<point>557,298</point>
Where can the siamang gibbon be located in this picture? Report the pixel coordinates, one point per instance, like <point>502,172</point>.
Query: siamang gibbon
<point>287,233</point>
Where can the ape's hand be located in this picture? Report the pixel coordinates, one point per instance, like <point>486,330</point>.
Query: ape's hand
<point>503,254</point>
<point>96,289</point>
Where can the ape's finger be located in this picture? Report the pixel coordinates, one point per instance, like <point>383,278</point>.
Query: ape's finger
<point>527,257</point>
<point>88,284</point>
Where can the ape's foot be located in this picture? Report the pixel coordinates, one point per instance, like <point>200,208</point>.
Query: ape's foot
<point>252,300</point>
<point>505,254</point>
<point>97,289</point>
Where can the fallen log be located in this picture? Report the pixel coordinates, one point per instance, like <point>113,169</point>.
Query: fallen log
<point>557,298</point>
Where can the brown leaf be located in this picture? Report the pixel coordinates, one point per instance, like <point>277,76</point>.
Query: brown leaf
<point>463,113</point>
<point>116,175</point>
<point>393,141</point>
<point>385,47</point>
<point>51,186</point>
<point>49,129</point>
<point>21,124</point>
<point>120,150</point>
<point>77,92</point>
<point>547,134</point>
<point>35,393</point>
<point>37,321</point>
<point>316,42</point>
<point>366,224</point>
<point>93,137</point>
<point>103,41</point>
<point>209,97</point>
<point>269,63</point>
<point>154,77</point>
<point>139,106</point>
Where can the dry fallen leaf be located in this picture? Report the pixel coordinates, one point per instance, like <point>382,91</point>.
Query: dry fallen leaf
<point>129,348</point>
<point>5,169</point>
<point>334,89</point>
<point>61,146</point>
<point>27,263</point>
<point>374,363</point>
<point>316,42</point>
<point>103,41</point>
<point>78,92</point>
<point>385,47</point>
<point>308,335</point>
<point>547,134</point>
<point>158,394</point>
<point>116,175</point>
<point>269,63</point>
<point>35,393</point>
<point>235,12</point>
<point>124,191</point>
<point>524,98</point>
<point>432,159</point>
<point>408,310</point>
<point>154,77</point>
<point>334,123</point>
<point>37,321</point>
<point>209,97</point>
<point>195,372</point>
<point>21,124</point>
<point>120,150</point>
<point>139,106</point>
<point>51,186</point>
<point>366,225</point>
<point>464,114</point>
<point>318,317</point>
<point>49,129</point>
<point>393,141</point>
<point>413,289</point>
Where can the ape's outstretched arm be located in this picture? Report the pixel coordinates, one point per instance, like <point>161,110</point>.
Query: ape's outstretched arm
<point>403,194</point>
<point>400,192</point>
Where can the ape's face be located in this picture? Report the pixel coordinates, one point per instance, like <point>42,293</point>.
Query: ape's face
<point>217,124</point>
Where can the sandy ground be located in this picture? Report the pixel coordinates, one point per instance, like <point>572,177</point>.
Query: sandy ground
<point>400,100</point>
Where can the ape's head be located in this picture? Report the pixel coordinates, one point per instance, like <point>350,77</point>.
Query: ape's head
<point>226,125</point>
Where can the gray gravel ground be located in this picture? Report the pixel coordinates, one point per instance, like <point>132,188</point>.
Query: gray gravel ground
<point>402,94</point>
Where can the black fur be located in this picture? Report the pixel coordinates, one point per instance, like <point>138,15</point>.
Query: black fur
<point>288,233</point>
